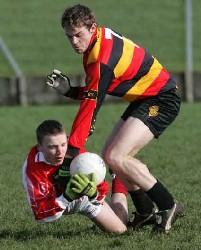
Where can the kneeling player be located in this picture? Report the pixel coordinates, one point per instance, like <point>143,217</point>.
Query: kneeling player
<point>49,198</point>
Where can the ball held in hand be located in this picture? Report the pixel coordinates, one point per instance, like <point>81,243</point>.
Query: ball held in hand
<point>88,163</point>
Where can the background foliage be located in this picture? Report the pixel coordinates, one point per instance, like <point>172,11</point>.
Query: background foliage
<point>34,35</point>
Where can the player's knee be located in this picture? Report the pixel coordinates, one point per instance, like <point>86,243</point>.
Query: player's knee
<point>121,230</point>
<point>112,159</point>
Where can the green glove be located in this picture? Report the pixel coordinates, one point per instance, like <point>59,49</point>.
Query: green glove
<point>64,172</point>
<point>69,194</point>
<point>82,184</point>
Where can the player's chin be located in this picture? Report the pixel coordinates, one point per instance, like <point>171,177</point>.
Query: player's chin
<point>79,50</point>
<point>59,161</point>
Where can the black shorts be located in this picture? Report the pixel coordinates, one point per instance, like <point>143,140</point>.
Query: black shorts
<point>157,112</point>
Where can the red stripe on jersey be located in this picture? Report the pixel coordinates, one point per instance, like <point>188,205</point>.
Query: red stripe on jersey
<point>138,56</point>
<point>157,84</point>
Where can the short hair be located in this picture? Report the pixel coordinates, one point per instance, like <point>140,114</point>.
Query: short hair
<point>78,16</point>
<point>48,127</point>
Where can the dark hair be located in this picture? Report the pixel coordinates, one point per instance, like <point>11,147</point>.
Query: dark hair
<point>78,16</point>
<point>48,127</point>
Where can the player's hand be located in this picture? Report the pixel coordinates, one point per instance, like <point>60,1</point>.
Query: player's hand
<point>59,82</point>
<point>82,184</point>
<point>69,194</point>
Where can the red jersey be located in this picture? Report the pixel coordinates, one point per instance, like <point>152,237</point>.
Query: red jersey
<point>44,193</point>
<point>116,66</point>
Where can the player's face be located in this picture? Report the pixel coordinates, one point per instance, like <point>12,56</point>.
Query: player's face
<point>80,37</point>
<point>54,148</point>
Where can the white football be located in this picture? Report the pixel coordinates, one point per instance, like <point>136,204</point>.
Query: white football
<point>87,163</point>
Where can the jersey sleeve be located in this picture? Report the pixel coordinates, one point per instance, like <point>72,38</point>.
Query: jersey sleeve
<point>42,196</point>
<point>75,93</point>
<point>98,79</point>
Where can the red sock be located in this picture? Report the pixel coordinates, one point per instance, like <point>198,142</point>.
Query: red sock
<point>118,187</point>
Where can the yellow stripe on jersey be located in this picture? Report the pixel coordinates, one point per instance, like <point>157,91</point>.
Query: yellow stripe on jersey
<point>125,60</point>
<point>95,51</point>
<point>144,82</point>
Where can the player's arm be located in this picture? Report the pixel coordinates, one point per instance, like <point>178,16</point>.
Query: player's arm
<point>102,81</point>
<point>99,77</point>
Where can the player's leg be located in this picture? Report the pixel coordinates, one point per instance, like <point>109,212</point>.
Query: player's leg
<point>100,213</point>
<point>108,221</point>
<point>143,204</point>
<point>118,203</point>
<point>133,135</point>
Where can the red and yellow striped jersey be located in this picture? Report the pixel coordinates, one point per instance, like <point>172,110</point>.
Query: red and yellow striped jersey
<point>129,71</point>
<point>116,66</point>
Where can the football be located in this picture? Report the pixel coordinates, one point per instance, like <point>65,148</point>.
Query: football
<point>87,163</point>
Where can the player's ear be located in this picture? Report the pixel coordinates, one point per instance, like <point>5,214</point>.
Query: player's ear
<point>93,28</point>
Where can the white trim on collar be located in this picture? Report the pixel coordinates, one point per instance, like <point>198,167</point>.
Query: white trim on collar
<point>40,158</point>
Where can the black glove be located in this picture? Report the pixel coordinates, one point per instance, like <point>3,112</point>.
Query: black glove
<point>59,82</point>
<point>64,172</point>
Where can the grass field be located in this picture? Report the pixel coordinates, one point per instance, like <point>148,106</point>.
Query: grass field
<point>174,159</point>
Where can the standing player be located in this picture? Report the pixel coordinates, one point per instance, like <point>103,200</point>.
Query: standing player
<point>117,66</point>
<point>49,198</point>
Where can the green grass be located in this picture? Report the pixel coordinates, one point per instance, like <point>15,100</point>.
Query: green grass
<point>33,33</point>
<point>174,159</point>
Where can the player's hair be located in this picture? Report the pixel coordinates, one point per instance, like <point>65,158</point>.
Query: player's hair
<point>78,16</point>
<point>48,127</point>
